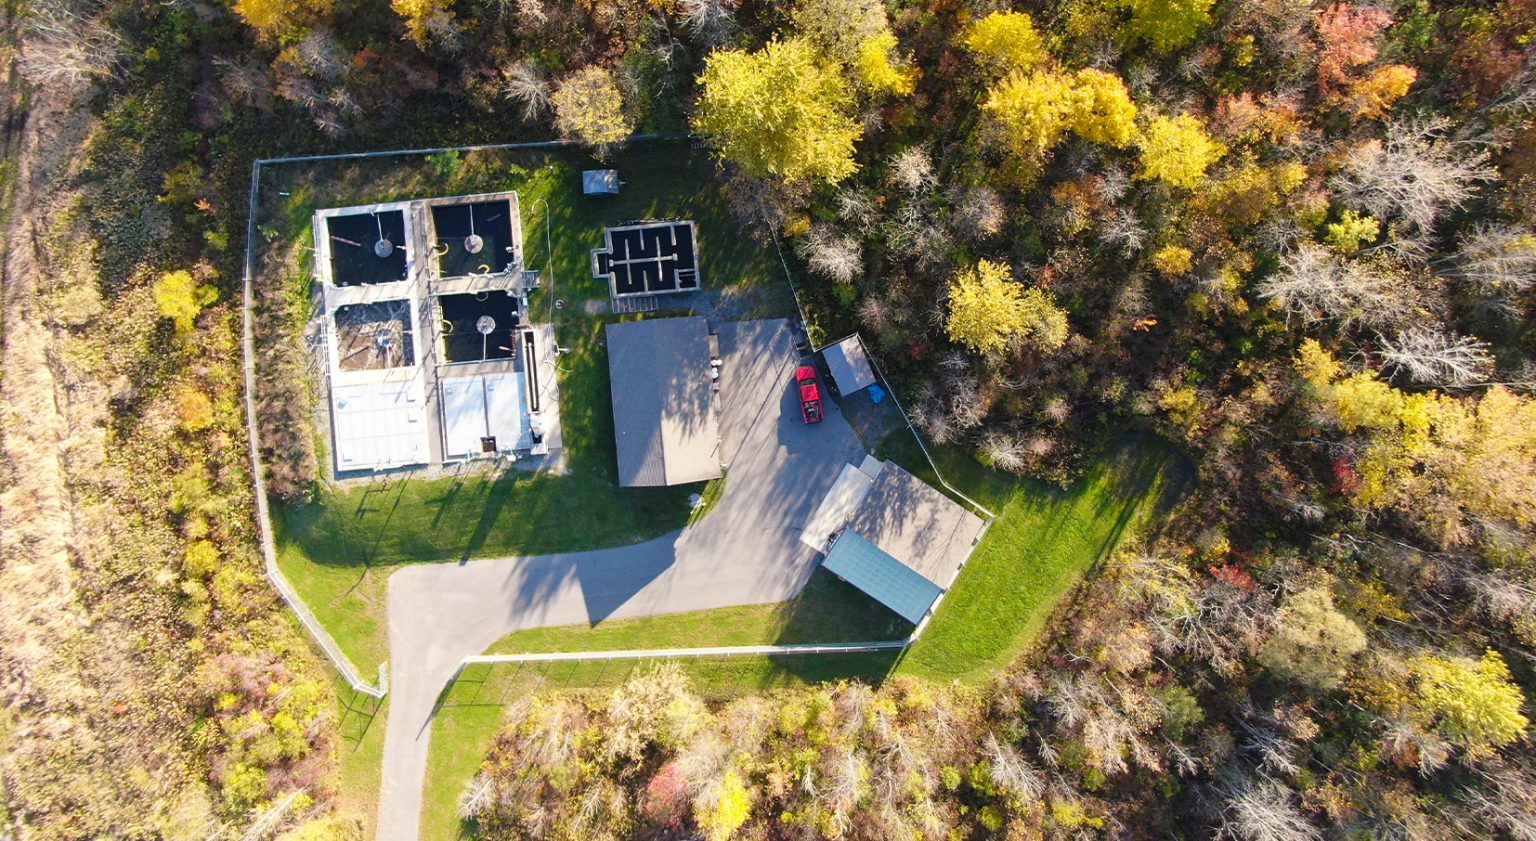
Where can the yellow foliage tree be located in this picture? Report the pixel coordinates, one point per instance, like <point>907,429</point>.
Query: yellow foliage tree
<point>840,28</point>
<point>424,17</point>
<point>985,312</point>
<point>723,807</point>
<point>1314,643</point>
<point>1177,150</point>
<point>588,106</point>
<point>1102,110</point>
<point>179,297</point>
<point>275,17</point>
<point>1035,109</point>
<point>1473,704</point>
<point>1245,193</point>
<point>1485,455</point>
<point>1005,41</point>
<point>1173,261</point>
<point>1374,95</point>
<point>988,311</point>
<point>1167,25</point>
<point>1045,324</point>
<point>782,111</point>
<point>1431,457</point>
<point>1032,110</point>
<point>194,411</point>
<point>1351,231</point>
<point>878,72</point>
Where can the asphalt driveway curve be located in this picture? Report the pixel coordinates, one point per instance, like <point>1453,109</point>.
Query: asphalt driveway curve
<point>747,551</point>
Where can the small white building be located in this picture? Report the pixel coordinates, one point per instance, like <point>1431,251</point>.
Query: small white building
<point>600,182</point>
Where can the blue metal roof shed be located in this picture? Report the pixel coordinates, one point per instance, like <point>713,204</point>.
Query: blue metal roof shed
<point>885,579</point>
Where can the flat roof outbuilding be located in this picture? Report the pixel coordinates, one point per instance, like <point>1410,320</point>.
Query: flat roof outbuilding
<point>849,365</point>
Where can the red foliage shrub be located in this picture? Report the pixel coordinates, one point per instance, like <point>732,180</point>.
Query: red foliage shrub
<point>666,798</point>
<point>1236,576</point>
<point>1349,37</point>
<point>1346,480</point>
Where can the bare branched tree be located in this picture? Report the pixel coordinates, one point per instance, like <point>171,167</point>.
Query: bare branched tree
<point>912,169</point>
<point>710,21</point>
<point>1012,772</point>
<point>1315,285</point>
<point>1407,744</point>
<point>830,254</point>
<point>60,46</point>
<point>1495,259</point>
<point>977,213</point>
<point>1005,451</point>
<point>855,206</point>
<point>1505,598</point>
<point>526,85</point>
<point>320,55</point>
<point>1430,356</point>
<point>1412,176</point>
<point>875,312</point>
<point>1261,809</point>
<point>476,796</point>
<point>245,82</point>
<point>1213,621</point>
<point>1124,229</point>
<point>1112,185</point>
<point>1507,800</point>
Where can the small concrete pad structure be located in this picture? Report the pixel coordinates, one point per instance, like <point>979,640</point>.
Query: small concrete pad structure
<point>665,422</point>
<point>849,365</point>
<point>847,494</point>
<point>878,515</point>
<point>600,182</point>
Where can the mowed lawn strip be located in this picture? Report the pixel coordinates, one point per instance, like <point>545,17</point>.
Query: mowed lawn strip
<point>1043,542</point>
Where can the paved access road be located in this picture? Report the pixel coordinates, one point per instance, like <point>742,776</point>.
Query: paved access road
<point>747,551</point>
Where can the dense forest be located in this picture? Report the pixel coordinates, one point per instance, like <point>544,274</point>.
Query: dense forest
<point>1296,238</point>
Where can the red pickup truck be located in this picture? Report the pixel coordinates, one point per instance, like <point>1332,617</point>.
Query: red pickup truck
<point>810,393</point>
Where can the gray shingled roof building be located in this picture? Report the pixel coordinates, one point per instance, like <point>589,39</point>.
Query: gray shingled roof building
<point>664,416</point>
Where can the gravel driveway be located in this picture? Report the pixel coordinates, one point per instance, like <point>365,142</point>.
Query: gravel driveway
<point>746,551</point>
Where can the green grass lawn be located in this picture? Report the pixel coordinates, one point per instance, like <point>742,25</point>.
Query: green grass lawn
<point>361,752</point>
<point>1042,543</point>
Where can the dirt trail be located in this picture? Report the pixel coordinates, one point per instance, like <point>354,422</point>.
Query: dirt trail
<point>37,529</point>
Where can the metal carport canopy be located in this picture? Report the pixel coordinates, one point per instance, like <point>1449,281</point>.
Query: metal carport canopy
<point>885,579</point>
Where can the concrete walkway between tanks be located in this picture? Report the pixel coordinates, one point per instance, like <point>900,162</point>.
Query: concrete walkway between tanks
<point>746,551</point>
